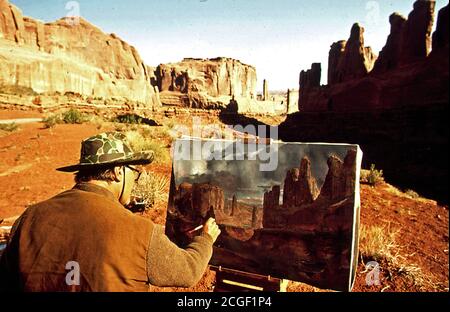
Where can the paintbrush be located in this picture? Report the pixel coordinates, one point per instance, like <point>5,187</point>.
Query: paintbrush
<point>196,229</point>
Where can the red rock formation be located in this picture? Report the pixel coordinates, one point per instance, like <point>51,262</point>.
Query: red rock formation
<point>290,187</point>
<point>11,22</point>
<point>272,198</point>
<point>300,187</point>
<point>195,203</point>
<point>355,61</point>
<point>340,180</point>
<point>404,76</point>
<point>336,54</point>
<point>265,91</point>
<point>311,77</point>
<point>233,206</point>
<point>416,37</point>
<point>206,199</point>
<point>190,206</point>
<point>390,55</point>
<point>271,204</point>
<point>304,206</point>
<point>206,81</point>
<point>333,186</point>
<point>307,190</point>
<point>349,173</point>
<point>309,84</point>
<point>440,36</point>
<point>172,79</point>
<point>255,217</point>
<point>71,57</point>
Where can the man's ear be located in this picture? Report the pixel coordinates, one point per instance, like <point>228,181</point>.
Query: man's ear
<point>118,174</point>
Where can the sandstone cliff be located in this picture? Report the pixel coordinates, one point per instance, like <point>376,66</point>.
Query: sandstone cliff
<point>390,54</point>
<point>416,33</point>
<point>71,55</point>
<point>404,75</point>
<point>350,59</point>
<point>208,83</point>
<point>216,77</point>
<point>397,113</point>
<point>440,36</point>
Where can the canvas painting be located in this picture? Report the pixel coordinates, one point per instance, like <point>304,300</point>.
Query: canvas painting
<point>288,210</point>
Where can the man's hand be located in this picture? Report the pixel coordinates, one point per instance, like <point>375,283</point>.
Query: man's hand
<point>211,228</point>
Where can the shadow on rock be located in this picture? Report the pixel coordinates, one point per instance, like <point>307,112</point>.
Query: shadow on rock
<point>247,125</point>
<point>136,119</point>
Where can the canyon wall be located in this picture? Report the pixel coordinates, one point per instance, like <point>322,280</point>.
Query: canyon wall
<point>70,56</point>
<point>397,112</point>
<point>405,74</point>
<point>209,84</point>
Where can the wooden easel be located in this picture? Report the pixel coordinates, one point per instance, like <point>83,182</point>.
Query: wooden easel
<point>228,280</point>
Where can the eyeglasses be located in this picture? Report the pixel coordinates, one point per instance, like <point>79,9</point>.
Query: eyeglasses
<point>136,171</point>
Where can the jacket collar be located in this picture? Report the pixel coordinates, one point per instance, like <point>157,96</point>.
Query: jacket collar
<point>89,187</point>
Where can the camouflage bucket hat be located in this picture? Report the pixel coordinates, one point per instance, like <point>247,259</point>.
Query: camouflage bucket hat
<point>108,149</point>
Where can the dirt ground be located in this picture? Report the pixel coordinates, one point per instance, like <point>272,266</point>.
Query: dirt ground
<point>29,157</point>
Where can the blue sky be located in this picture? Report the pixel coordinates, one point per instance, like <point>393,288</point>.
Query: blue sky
<point>278,37</point>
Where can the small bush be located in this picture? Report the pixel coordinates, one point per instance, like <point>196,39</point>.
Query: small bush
<point>11,127</point>
<point>160,132</point>
<point>151,188</point>
<point>51,121</point>
<point>128,119</point>
<point>73,116</point>
<point>412,194</point>
<point>372,176</point>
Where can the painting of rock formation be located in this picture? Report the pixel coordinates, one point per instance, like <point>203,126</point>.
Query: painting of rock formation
<point>297,222</point>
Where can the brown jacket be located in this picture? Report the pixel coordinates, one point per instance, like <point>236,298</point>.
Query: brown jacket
<point>114,249</point>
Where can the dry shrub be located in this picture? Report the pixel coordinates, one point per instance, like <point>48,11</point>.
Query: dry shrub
<point>51,121</point>
<point>9,127</point>
<point>372,176</point>
<point>72,116</point>
<point>152,188</point>
<point>378,243</point>
<point>161,132</point>
<point>412,194</point>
